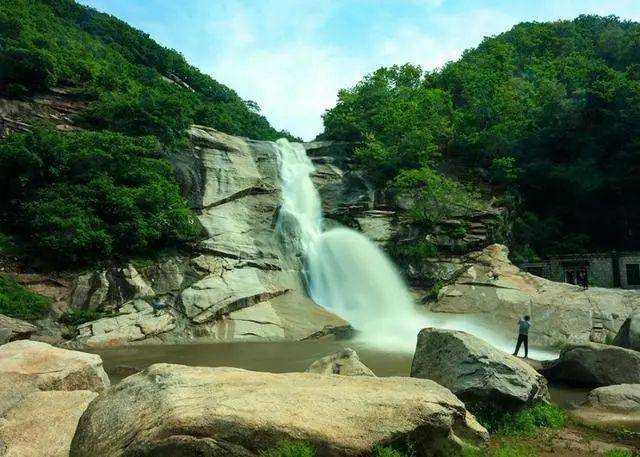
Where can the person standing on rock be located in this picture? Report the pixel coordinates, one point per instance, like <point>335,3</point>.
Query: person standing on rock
<point>523,336</point>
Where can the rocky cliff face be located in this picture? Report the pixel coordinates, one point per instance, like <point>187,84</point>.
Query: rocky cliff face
<point>237,284</point>
<point>491,286</point>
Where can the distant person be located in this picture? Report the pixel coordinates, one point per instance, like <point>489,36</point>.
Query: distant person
<point>583,279</point>
<point>571,277</point>
<point>157,305</point>
<point>523,335</point>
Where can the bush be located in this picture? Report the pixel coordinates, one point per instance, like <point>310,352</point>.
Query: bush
<point>289,449</point>
<point>523,422</point>
<point>86,196</point>
<point>387,452</point>
<point>18,302</point>
<point>619,453</point>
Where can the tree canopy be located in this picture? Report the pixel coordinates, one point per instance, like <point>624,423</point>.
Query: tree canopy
<point>546,114</point>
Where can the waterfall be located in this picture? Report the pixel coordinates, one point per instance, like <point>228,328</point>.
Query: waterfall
<point>345,272</point>
<point>348,274</point>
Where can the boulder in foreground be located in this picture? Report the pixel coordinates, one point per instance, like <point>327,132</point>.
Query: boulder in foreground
<point>53,368</point>
<point>594,364</point>
<point>43,424</point>
<point>345,362</point>
<point>183,411</point>
<point>475,371</point>
<point>629,334</point>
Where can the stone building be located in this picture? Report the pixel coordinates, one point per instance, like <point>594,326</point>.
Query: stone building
<point>609,269</point>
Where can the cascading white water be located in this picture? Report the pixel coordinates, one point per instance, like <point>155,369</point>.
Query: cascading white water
<point>348,274</point>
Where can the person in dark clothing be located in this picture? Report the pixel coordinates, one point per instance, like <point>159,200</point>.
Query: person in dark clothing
<point>157,306</point>
<point>583,279</point>
<point>523,335</point>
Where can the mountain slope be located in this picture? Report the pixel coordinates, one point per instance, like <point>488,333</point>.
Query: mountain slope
<point>136,86</point>
<point>546,114</point>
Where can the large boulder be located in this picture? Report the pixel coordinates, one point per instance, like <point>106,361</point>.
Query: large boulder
<point>183,411</point>
<point>15,329</point>
<point>629,334</point>
<point>43,392</point>
<point>594,364</point>
<point>52,368</point>
<point>43,424</point>
<point>345,362</point>
<point>475,371</point>
<point>612,406</point>
<point>495,291</point>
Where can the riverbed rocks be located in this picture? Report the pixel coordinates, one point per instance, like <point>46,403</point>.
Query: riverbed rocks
<point>52,368</point>
<point>176,410</point>
<point>475,371</point>
<point>43,392</point>
<point>495,291</point>
<point>136,322</point>
<point>15,329</point>
<point>629,334</point>
<point>345,362</point>
<point>617,405</point>
<point>594,364</point>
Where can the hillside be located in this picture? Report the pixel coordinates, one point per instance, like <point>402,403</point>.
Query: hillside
<point>545,116</point>
<point>105,189</point>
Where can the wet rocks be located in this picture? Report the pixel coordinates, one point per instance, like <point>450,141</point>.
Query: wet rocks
<point>345,362</point>
<point>178,410</point>
<point>475,371</point>
<point>594,364</point>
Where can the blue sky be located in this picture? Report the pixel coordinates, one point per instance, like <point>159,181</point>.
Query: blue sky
<point>292,56</point>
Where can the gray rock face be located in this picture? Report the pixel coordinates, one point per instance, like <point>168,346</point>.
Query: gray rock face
<point>345,362</point>
<point>492,287</point>
<point>594,364</point>
<point>621,397</point>
<point>612,406</point>
<point>475,371</point>
<point>176,410</point>
<point>240,283</point>
<point>629,334</point>
<point>137,322</point>
<point>15,329</point>
<point>51,368</point>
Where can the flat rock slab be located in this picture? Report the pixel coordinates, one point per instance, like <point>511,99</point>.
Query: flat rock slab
<point>53,368</point>
<point>475,371</point>
<point>594,364</point>
<point>182,411</point>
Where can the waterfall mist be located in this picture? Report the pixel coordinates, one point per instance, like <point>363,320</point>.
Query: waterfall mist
<point>348,274</point>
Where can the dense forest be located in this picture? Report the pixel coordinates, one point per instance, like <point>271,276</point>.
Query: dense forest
<point>546,116</point>
<point>70,199</point>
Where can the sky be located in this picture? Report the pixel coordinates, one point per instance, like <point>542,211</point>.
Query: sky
<point>292,56</point>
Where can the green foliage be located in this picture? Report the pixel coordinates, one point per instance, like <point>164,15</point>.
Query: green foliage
<point>139,87</point>
<point>619,453</point>
<point>387,452</point>
<point>436,197</point>
<point>548,110</point>
<point>16,301</point>
<point>524,422</point>
<point>289,449</point>
<point>87,196</point>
